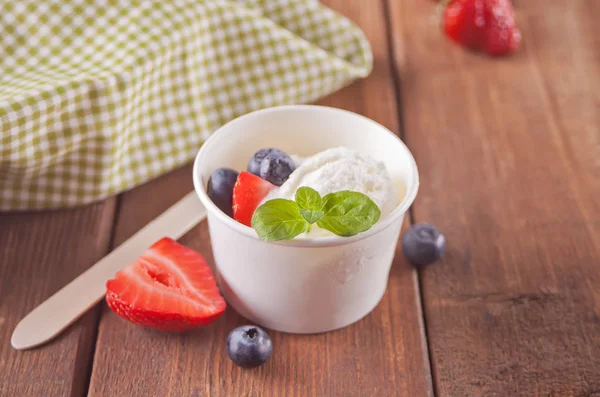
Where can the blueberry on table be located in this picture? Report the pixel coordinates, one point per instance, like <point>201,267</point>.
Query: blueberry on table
<point>249,346</point>
<point>276,168</point>
<point>220,189</point>
<point>256,160</point>
<point>423,244</point>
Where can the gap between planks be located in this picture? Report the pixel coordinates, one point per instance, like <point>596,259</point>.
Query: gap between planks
<point>397,83</point>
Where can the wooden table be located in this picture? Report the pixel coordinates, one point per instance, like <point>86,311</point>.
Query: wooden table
<point>509,156</point>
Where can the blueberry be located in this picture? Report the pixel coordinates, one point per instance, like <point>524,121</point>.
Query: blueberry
<point>249,346</point>
<point>257,159</point>
<point>220,189</point>
<point>423,244</point>
<point>276,168</point>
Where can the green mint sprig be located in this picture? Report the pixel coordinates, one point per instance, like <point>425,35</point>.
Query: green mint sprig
<point>345,213</point>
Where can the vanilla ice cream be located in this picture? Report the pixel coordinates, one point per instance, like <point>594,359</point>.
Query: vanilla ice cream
<point>339,169</point>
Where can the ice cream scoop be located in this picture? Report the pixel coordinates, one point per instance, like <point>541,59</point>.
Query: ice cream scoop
<point>338,169</point>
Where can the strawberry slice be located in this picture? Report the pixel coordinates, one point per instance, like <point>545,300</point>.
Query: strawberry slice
<point>248,192</point>
<point>169,288</point>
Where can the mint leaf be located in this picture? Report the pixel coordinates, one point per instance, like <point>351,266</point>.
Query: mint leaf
<point>348,213</point>
<point>344,213</point>
<point>278,219</point>
<point>311,216</point>
<point>308,198</point>
<point>310,203</point>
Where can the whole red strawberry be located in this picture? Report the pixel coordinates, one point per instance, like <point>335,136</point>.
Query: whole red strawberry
<point>483,25</point>
<point>169,288</point>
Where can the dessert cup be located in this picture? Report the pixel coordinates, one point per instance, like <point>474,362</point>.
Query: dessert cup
<point>308,285</point>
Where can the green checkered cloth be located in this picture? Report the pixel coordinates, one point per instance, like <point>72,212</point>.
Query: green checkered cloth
<point>99,96</point>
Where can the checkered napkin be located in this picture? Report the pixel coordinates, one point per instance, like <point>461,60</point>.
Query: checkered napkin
<point>97,96</point>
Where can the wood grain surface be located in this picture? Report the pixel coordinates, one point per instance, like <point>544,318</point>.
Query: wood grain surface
<point>509,155</point>
<point>40,252</point>
<point>383,354</point>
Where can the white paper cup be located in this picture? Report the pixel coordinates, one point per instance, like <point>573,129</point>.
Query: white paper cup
<point>303,285</point>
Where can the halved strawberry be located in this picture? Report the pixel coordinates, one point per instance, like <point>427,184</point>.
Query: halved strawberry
<point>169,288</point>
<point>248,192</point>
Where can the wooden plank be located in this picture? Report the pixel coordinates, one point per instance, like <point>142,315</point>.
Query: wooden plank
<point>40,252</point>
<point>384,354</point>
<point>509,156</point>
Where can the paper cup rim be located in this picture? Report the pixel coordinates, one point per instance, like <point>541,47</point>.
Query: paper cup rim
<point>412,184</point>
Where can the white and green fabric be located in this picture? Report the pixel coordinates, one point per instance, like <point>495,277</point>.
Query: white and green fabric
<point>99,96</point>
